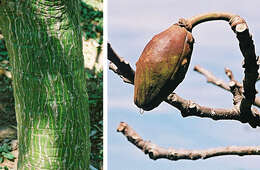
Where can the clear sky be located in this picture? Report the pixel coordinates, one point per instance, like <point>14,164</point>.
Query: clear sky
<point>131,24</point>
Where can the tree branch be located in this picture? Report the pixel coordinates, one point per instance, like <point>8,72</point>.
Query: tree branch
<point>119,66</point>
<point>156,152</point>
<point>196,20</point>
<point>211,78</point>
<point>242,101</point>
<point>190,108</point>
<point>220,83</point>
<point>250,64</point>
<point>246,44</point>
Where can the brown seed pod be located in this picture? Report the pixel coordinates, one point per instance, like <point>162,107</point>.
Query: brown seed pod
<point>162,66</point>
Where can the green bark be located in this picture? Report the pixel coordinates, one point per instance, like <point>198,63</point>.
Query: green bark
<point>43,39</point>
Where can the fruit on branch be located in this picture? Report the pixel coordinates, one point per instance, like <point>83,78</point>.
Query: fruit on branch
<point>162,66</point>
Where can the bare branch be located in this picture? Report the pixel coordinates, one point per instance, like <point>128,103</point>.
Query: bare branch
<point>156,152</point>
<point>189,108</point>
<point>247,48</point>
<point>120,66</point>
<point>211,78</point>
<point>230,75</point>
<point>232,79</point>
<point>195,20</point>
<point>220,83</point>
<point>246,44</point>
<point>242,109</point>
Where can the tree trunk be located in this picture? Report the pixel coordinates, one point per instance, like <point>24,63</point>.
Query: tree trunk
<point>43,39</point>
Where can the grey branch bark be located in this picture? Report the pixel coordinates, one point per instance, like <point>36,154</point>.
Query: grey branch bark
<point>156,152</point>
<point>211,78</point>
<point>220,83</point>
<point>242,110</point>
<point>119,66</point>
<point>187,107</point>
<point>250,65</point>
<point>190,108</point>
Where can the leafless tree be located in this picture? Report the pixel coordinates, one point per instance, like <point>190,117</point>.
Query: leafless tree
<point>243,95</point>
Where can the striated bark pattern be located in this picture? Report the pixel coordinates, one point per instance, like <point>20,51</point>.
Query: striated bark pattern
<point>44,41</point>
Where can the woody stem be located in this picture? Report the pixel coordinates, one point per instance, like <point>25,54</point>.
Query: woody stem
<point>210,17</point>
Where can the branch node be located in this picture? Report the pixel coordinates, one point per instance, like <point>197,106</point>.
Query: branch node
<point>192,105</point>
<point>244,95</point>
<point>185,23</point>
<point>237,24</point>
<point>156,152</point>
<point>212,112</point>
<point>232,85</point>
<point>172,97</point>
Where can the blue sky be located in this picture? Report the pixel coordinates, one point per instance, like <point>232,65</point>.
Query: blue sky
<point>131,24</point>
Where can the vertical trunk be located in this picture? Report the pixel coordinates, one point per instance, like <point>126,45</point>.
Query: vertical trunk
<point>44,42</point>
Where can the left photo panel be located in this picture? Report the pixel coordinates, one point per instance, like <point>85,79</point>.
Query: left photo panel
<point>51,84</point>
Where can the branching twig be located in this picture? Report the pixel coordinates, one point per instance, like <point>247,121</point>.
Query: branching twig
<point>230,75</point>
<point>189,108</point>
<point>242,102</point>
<point>120,66</point>
<point>211,78</point>
<point>247,48</point>
<point>220,83</point>
<point>250,64</point>
<point>157,152</point>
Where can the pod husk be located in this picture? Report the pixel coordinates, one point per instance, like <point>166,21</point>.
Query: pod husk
<point>162,66</point>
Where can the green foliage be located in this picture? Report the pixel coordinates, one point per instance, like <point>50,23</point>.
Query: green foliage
<point>5,167</point>
<point>7,112</point>
<point>4,58</point>
<point>95,92</point>
<point>3,51</point>
<point>91,21</point>
<point>5,152</point>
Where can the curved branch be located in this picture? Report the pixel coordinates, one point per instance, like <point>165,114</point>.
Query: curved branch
<point>156,152</point>
<point>210,17</point>
<point>242,102</point>
<point>247,48</point>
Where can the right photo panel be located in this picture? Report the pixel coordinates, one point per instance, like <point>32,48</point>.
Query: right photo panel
<point>183,85</point>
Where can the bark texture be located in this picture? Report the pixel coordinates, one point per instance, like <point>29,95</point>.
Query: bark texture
<point>44,42</point>
<point>156,152</point>
<point>221,83</point>
<point>243,96</point>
